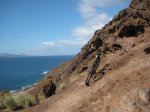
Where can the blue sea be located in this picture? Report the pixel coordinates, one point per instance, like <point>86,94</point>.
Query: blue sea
<point>19,72</point>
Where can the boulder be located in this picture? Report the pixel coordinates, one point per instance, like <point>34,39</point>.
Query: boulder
<point>48,89</point>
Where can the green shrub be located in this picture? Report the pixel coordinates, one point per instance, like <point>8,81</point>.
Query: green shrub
<point>25,100</point>
<point>17,102</point>
<point>1,103</point>
<point>9,102</point>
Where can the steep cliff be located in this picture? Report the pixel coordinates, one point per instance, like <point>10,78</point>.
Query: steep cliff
<point>127,30</point>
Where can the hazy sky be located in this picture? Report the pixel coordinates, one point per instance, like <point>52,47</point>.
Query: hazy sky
<point>52,27</point>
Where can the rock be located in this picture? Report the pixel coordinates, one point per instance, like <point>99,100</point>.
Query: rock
<point>81,68</point>
<point>116,46</point>
<point>48,89</point>
<point>45,87</point>
<point>131,31</point>
<point>130,22</point>
<point>140,4</point>
<point>147,50</point>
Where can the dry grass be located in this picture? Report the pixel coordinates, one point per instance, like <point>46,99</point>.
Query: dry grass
<point>61,86</point>
<point>8,102</point>
<point>17,102</point>
<point>25,100</point>
<point>41,98</point>
<point>74,78</point>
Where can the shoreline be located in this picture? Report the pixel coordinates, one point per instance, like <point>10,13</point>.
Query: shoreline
<point>44,68</point>
<point>14,92</point>
<point>23,88</point>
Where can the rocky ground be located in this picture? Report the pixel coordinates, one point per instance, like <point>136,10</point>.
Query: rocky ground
<point>125,84</point>
<point>125,87</point>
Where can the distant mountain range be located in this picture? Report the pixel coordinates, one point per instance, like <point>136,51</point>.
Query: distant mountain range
<point>11,55</point>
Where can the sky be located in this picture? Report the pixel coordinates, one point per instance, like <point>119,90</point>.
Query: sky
<point>52,27</point>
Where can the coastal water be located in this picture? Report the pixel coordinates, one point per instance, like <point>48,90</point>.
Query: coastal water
<point>18,72</point>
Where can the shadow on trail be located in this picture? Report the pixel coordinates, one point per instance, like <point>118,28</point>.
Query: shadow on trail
<point>102,72</point>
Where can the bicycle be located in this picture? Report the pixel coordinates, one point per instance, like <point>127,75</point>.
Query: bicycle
<point>93,69</point>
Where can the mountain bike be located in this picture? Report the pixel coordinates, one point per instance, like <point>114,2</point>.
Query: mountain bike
<point>92,71</point>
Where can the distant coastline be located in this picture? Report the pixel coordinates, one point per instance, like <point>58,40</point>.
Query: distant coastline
<point>5,55</point>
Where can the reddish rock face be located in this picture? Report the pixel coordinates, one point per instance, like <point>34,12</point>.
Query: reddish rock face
<point>140,4</point>
<point>131,22</point>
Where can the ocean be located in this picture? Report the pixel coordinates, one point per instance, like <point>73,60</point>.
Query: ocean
<point>19,72</point>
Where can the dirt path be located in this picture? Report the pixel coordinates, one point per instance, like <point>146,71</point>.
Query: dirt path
<point>74,96</point>
<point>69,98</point>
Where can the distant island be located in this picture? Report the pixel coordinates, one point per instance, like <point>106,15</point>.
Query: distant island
<point>5,55</point>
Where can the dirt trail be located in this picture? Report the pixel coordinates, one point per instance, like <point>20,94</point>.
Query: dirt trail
<point>73,98</point>
<point>69,98</point>
<point>128,71</point>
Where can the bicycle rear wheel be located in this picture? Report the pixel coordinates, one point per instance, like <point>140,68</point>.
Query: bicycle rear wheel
<point>90,76</point>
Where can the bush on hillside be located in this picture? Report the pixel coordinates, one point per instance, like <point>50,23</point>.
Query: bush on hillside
<point>9,102</point>
<point>17,102</point>
<point>25,101</point>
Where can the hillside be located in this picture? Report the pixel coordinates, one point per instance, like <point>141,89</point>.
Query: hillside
<point>125,85</point>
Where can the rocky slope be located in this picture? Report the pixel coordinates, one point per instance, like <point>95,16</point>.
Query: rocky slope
<point>126,44</point>
<point>127,29</point>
